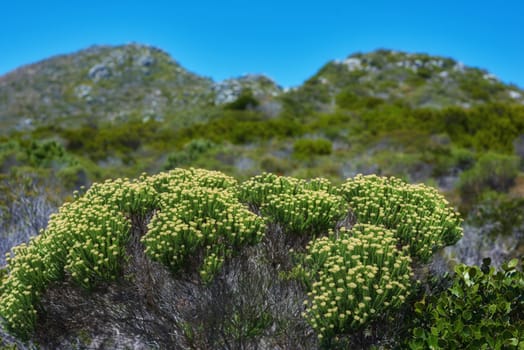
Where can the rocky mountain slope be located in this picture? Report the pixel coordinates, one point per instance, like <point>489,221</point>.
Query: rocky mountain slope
<point>420,80</point>
<point>110,83</point>
<point>138,81</point>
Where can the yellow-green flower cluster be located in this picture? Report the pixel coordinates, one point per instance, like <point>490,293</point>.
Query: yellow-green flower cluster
<point>164,182</point>
<point>256,190</point>
<point>418,214</point>
<point>306,212</point>
<point>353,276</point>
<point>194,219</point>
<point>84,240</point>
<point>129,196</point>
<point>301,207</point>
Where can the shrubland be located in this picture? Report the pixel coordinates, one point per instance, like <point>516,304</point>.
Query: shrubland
<point>348,265</point>
<point>418,118</point>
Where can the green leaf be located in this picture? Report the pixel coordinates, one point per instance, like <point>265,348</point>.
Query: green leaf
<point>456,291</point>
<point>467,315</point>
<point>420,306</point>
<point>418,332</point>
<point>513,263</point>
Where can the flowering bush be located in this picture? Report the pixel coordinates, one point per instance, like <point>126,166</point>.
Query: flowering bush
<point>420,217</point>
<point>301,207</point>
<point>198,218</point>
<point>352,277</point>
<point>84,240</point>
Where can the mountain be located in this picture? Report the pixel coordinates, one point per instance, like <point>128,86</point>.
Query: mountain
<point>420,80</point>
<point>137,81</point>
<point>111,82</point>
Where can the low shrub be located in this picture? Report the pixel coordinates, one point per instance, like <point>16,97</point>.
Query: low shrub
<point>190,153</point>
<point>492,171</point>
<point>483,309</point>
<point>246,100</point>
<point>307,148</point>
<point>194,218</point>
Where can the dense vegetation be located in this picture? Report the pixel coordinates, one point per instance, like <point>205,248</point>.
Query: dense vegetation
<point>197,215</point>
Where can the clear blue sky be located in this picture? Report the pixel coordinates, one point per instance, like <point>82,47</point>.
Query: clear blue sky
<point>287,40</point>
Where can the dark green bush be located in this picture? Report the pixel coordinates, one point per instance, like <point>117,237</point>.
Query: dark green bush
<point>244,101</point>
<point>483,309</point>
<point>347,99</point>
<point>308,148</point>
<point>500,214</point>
<point>191,152</point>
<point>492,171</point>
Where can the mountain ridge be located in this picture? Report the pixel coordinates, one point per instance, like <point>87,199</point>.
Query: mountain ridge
<point>106,82</point>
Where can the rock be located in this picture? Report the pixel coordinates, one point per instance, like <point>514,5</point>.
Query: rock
<point>459,67</point>
<point>83,91</point>
<point>353,63</point>
<point>261,86</point>
<point>444,74</point>
<point>118,57</point>
<point>145,60</point>
<point>99,71</point>
<point>514,94</point>
<point>244,163</point>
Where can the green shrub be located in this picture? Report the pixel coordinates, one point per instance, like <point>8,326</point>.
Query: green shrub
<point>244,101</point>
<point>307,148</point>
<point>492,171</point>
<point>193,220</point>
<point>190,153</point>
<point>420,217</point>
<point>275,165</point>
<point>483,309</point>
<point>499,214</point>
<point>353,277</point>
<point>42,154</point>
<point>256,190</point>
<point>86,240</point>
<point>349,100</point>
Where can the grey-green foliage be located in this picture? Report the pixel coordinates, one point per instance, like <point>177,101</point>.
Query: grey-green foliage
<point>190,152</point>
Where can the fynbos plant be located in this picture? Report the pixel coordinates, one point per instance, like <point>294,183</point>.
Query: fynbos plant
<point>420,217</point>
<point>353,276</point>
<point>196,219</point>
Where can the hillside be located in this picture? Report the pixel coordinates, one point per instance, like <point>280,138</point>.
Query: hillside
<point>111,83</point>
<point>104,113</point>
<point>136,81</point>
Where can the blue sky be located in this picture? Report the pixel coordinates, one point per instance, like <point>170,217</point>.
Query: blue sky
<point>286,40</point>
